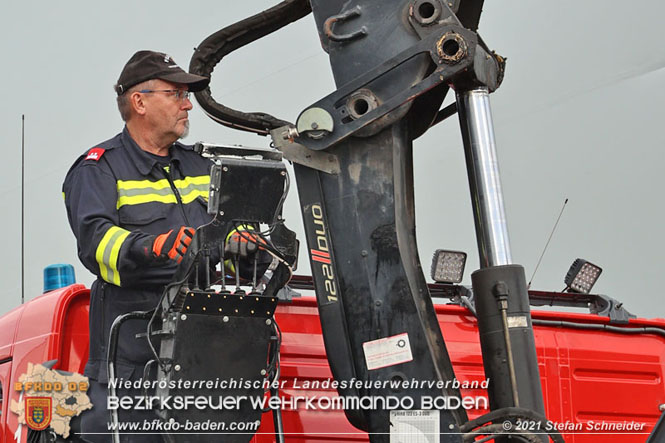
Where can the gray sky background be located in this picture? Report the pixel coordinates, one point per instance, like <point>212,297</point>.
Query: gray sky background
<point>579,116</point>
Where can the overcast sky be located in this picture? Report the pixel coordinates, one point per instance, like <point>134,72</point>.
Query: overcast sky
<point>579,116</point>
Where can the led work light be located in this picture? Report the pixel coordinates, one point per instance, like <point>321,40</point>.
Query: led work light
<point>448,266</point>
<point>581,276</point>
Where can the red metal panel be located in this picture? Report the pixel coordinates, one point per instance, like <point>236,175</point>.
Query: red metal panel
<point>8,324</point>
<point>5,388</point>
<point>39,337</point>
<point>73,353</point>
<point>586,375</point>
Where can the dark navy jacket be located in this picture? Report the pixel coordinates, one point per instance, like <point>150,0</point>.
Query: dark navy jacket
<point>117,196</point>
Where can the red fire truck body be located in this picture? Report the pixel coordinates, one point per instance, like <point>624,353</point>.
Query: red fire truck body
<point>590,379</point>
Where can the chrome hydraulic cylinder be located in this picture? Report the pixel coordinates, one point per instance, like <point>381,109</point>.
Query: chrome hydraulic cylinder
<point>483,170</point>
<point>502,299</point>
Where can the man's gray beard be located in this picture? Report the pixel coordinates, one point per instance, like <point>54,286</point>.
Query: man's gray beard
<point>185,133</point>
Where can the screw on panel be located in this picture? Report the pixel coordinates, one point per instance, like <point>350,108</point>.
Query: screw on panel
<point>661,408</point>
<point>183,317</point>
<point>451,426</point>
<point>263,372</point>
<point>225,169</point>
<point>225,319</point>
<point>177,368</point>
<point>268,322</point>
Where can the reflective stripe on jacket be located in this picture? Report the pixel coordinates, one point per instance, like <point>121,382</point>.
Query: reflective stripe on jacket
<point>117,196</point>
<point>116,200</point>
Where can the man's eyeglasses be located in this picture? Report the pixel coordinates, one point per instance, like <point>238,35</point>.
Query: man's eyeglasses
<point>179,94</point>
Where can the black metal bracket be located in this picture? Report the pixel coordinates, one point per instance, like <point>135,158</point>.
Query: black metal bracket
<point>220,304</point>
<point>608,307</point>
<point>451,61</point>
<point>597,304</point>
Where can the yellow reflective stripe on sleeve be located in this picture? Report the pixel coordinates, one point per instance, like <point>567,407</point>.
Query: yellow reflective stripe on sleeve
<point>136,192</point>
<point>193,194</point>
<point>130,185</point>
<point>228,265</point>
<point>145,198</point>
<point>107,254</point>
<point>192,187</point>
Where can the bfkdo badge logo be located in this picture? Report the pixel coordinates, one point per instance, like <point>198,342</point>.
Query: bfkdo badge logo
<point>38,412</point>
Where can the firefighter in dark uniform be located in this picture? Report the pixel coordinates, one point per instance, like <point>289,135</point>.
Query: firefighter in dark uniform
<point>132,202</point>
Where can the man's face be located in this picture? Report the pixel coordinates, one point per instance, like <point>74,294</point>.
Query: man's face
<point>165,111</point>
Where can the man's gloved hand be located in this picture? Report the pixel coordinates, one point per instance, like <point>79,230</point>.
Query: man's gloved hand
<point>242,243</point>
<point>243,247</point>
<point>172,244</point>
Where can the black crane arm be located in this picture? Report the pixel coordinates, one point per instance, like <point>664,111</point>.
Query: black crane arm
<point>393,62</point>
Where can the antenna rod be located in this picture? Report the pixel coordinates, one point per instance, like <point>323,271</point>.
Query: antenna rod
<point>548,242</point>
<point>22,208</point>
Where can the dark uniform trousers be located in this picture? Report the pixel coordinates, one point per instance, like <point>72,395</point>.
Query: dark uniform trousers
<point>117,197</point>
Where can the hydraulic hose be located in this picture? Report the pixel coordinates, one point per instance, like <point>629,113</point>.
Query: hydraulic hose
<point>215,47</point>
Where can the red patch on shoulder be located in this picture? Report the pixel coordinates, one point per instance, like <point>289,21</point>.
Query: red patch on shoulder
<point>95,154</point>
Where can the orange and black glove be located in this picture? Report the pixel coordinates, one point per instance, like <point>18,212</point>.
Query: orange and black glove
<point>244,248</point>
<point>172,244</point>
<point>243,243</point>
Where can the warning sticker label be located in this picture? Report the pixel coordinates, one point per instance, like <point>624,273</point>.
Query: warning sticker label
<point>416,426</point>
<point>517,321</point>
<point>387,351</point>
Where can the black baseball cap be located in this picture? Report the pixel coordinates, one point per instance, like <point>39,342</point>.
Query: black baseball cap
<point>148,65</point>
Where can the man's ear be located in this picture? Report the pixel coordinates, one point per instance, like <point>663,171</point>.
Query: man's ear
<point>136,99</point>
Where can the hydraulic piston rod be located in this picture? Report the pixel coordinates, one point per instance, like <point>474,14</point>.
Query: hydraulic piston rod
<point>483,169</point>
